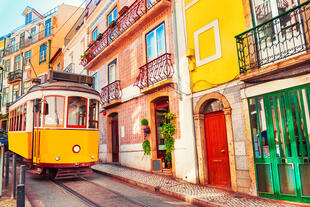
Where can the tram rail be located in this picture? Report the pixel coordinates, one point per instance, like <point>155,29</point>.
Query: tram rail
<point>90,202</point>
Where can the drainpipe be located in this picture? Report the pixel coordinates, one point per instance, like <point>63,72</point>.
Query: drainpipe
<point>176,48</point>
<point>49,54</point>
<point>22,82</point>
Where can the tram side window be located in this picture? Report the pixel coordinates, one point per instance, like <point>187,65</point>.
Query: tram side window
<point>93,113</point>
<point>37,113</point>
<point>54,111</point>
<point>24,117</point>
<point>77,112</point>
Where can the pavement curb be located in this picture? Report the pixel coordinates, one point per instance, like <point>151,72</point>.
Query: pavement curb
<point>179,196</point>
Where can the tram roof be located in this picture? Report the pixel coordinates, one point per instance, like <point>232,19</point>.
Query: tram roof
<point>64,86</point>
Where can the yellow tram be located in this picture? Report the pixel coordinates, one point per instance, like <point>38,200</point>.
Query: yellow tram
<point>54,126</point>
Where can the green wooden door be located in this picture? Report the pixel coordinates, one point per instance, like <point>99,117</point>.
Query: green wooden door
<point>280,131</point>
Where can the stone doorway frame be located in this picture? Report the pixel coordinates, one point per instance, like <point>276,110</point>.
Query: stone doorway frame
<point>201,138</point>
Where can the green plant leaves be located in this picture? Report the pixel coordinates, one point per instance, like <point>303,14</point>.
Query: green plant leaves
<point>146,147</point>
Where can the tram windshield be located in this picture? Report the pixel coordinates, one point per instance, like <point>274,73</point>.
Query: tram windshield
<point>54,111</point>
<point>93,113</point>
<point>77,112</point>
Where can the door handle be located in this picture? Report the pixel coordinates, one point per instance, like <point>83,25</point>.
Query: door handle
<point>222,151</point>
<point>217,160</point>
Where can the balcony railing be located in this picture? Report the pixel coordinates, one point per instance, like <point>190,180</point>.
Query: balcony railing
<point>69,68</point>
<point>110,93</point>
<point>15,76</point>
<point>155,71</point>
<point>29,40</point>
<point>117,28</point>
<point>278,38</point>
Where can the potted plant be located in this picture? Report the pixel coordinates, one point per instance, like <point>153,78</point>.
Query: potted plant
<point>145,127</point>
<point>100,36</point>
<point>91,43</point>
<point>168,132</point>
<point>146,147</point>
<point>29,37</point>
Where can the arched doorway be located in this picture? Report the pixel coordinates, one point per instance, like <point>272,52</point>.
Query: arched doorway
<point>216,144</point>
<point>113,118</point>
<point>212,115</point>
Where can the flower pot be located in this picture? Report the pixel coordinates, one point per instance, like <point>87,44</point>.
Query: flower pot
<point>147,130</point>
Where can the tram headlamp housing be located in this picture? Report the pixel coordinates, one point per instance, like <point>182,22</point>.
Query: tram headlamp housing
<point>57,158</point>
<point>76,149</point>
<point>92,157</point>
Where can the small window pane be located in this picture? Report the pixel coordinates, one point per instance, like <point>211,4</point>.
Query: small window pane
<point>287,179</point>
<point>77,112</point>
<point>93,113</point>
<point>264,178</point>
<point>54,107</point>
<point>305,179</point>
<point>254,125</point>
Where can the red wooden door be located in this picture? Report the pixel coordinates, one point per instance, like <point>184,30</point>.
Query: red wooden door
<point>217,149</point>
<point>115,141</point>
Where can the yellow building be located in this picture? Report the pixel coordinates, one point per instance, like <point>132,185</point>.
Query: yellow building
<point>213,64</point>
<point>29,48</point>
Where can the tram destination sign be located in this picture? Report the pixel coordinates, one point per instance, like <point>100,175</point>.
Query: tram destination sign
<point>71,77</point>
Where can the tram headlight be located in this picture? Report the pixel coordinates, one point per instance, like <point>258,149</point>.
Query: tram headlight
<point>76,148</point>
<point>57,158</point>
<point>92,157</point>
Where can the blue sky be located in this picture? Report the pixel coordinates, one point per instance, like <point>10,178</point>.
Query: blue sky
<point>11,11</point>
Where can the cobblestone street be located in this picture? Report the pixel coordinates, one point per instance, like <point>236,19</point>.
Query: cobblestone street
<point>202,195</point>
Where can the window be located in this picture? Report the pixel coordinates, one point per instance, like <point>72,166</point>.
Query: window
<point>17,63</point>
<point>43,53</point>
<point>33,30</point>
<point>48,27</point>
<point>27,85</point>
<point>34,37</point>
<point>112,72</point>
<point>28,18</point>
<point>37,113</point>
<point>95,34</point>
<point>27,57</point>
<point>96,81</point>
<point>7,67</point>
<point>93,113</point>
<point>77,112</point>
<point>112,16</point>
<point>5,96</point>
<point>156,43</point>
<point>15,93</point>
<point>24,115</point>
<point>22,40</point>
<point>13,44</point>
<point>150,3</point>
<point>54,111</point>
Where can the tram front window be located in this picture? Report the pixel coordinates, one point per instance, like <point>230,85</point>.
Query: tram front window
<point>77,112</point>
<point>54,111</point>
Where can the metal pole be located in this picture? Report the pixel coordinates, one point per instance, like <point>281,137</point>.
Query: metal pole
<point>22,175</point>
<point>7,168</point>
<point>20,201</point>
<point>1,167</point>
<point>14,176</point>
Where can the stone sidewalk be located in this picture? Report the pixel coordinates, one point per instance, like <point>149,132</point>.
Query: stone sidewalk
<point>195,194</point>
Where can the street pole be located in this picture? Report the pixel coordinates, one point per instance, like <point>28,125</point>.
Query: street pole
<point>22,175</point>
<point>14,176</point>
<point>7,168</point>
<point>20,201</point>
<point>1,167</point>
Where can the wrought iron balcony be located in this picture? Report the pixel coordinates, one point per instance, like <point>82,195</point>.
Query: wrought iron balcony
<point>110,93</point>
<point>117,28</point>
<point>69,68</point>
<point>276,39</point>
<point>29,40</point>
<point>153,72</point>
<point>14,76</point>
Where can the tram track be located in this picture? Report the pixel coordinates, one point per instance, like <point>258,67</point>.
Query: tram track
<point>87,200</point>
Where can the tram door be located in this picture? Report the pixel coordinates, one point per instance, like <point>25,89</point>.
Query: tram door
<point>36,133</point>
<point>280,127</point>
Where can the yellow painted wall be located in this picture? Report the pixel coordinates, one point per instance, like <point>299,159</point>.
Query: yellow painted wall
<point>2,44</point>
<point>231,20</point>
<point>20,143</point>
